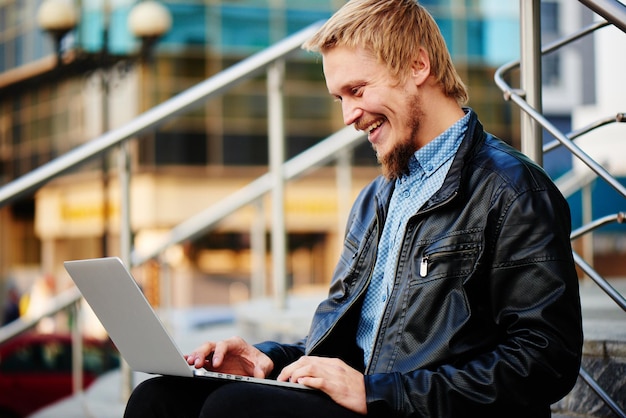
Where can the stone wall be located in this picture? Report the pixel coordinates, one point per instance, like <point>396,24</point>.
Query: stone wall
<point>605,361</point>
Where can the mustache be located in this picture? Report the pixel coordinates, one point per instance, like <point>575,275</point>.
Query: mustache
<point>364,124</point>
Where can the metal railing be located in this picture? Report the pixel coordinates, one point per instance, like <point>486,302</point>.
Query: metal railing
<point>272,61</point>
<point>331,148</point>
<point>528,99</point>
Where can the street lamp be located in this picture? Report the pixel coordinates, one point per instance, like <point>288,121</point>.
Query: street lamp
<point>57,17</point>
<point>148,20</point>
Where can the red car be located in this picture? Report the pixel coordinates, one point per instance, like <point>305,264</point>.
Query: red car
<point>36,370</point>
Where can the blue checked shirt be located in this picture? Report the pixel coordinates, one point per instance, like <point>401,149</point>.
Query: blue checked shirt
<point>427,171</point>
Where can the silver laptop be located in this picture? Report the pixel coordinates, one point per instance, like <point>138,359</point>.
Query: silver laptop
<point>134,327</point>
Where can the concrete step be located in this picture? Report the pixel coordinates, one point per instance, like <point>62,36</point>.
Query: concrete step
<point>604,355</point>
<point>604,350</point>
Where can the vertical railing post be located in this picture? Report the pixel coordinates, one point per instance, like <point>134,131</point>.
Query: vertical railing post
<point>125,244</point>
<point>530,77</point>
<point>587,215</point>
<point>124,178</point>
<point>276,131</point>
<point>344,192</point>
<point>258,246</point>
<point>77,349</point>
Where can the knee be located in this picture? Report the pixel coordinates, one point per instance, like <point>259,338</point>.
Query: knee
<point>149,398</point>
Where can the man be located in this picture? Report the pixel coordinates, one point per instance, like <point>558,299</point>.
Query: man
<point>455,294</point>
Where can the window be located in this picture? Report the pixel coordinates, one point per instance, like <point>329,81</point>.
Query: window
<point>550,30</point>
<point>550,17</point>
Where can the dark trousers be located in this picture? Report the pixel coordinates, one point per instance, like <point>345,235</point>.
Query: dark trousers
<point>178,397</point>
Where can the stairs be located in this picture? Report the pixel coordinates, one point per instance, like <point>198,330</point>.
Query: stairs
<point>604,356</point>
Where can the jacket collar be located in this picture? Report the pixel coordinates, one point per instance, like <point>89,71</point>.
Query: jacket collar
<point>473,140</point>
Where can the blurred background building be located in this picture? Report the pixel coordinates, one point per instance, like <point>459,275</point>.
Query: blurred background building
<point>54,100</point>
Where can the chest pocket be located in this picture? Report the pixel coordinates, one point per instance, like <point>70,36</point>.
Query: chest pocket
<point>446,258</point>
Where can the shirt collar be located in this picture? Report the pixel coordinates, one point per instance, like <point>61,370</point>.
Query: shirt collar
<point>433,155</point>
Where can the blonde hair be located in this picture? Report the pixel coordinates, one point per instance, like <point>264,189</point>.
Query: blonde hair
<point>393,30</point>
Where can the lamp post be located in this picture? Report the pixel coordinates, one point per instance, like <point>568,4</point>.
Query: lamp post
<point>57,17</point>
<point>148,20</point>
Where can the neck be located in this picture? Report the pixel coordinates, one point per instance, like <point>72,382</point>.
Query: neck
<point>440,115</point>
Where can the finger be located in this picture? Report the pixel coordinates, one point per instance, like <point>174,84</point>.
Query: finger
<point>258,372</point>
<point>312,382</point>
<point>294,370</point>
<point>200,355</point>
<point>286,373</point>
<point>221,350</point>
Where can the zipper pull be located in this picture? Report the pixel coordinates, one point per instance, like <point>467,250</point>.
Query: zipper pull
<point>424,267</point>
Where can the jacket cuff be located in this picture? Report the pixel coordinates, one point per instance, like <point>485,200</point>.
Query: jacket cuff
<point>381,391</point>
<point>281,355</point>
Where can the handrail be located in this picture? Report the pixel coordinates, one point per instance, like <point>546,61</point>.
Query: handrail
<point>309,159</point>
<point>269,59</point>
<point>156,116</point>
<point>619,118</point>
<point>59,303</point>
<point>517,96</point>
<point>615,13</point>
<point>600,281</point>
<point>601,393</point>
<point>619,217</point>
<point>314,157</point>
<point>612,10</point>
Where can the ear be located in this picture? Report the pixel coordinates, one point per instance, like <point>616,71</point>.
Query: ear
<point>420,67</point>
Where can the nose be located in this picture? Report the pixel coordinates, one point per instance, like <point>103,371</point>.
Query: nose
<point>351,112</point>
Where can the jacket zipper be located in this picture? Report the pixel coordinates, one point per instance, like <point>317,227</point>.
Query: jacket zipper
<point>423,267</point>
<point>358,296</point>
<point>427,257</point>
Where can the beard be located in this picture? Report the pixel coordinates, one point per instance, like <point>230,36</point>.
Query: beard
<point>395,163</point>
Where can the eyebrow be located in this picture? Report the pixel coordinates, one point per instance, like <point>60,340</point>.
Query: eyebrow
<point>348,86</point>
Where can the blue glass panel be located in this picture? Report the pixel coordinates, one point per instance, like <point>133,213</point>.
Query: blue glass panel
<point>43,45</point>
<point>3,63</point>
<point>121,40</point>
<point>475,39</point>
<point>299,19</point>
<point>90,30</point>
<point>558,161</point>
<point>611,203</point>
<point>502,41</point>
<point>189,26</point>
<point>254,20</point>
<point>20,51</point>
<point>446,27</point>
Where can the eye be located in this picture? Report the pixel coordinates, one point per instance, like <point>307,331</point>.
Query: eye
<point>357,91</point>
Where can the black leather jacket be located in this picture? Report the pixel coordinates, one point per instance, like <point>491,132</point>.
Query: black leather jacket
<point>484,317</point>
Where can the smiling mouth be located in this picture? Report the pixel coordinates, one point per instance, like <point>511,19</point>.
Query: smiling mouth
<point>373,126</point>
<point>370,127</point>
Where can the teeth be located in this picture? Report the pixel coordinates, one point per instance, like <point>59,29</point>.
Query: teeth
<point>373,126</point>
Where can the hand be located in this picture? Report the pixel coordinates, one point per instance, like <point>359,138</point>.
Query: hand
<point>341,382</point>
<point>234,356</point>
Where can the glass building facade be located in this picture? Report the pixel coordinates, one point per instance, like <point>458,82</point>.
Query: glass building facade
<point>41,119</point>
<point>46,111</point>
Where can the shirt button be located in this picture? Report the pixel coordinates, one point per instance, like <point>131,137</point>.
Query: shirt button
<point>406,193</point>
<point>384,298</point>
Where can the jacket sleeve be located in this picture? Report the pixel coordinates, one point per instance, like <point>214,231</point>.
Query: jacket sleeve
<point>281,354</point>
<point>528,287</point>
